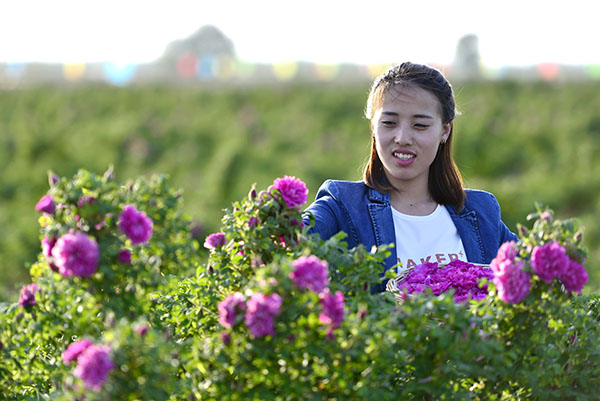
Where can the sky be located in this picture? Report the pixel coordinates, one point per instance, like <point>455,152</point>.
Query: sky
<point>510,32</point>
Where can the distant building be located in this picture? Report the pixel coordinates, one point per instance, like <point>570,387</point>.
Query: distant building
<point>467,63</point>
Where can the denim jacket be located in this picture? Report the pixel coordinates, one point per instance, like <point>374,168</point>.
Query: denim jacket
<point>365,215</point>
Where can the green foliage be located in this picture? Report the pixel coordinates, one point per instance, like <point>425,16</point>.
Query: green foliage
<point>159,316</point>
<point>68,308</point>
<point>524,142</point>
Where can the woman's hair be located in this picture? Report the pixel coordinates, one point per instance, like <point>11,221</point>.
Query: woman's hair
<point>445,182</point>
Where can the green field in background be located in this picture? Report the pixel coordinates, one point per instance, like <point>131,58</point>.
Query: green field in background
<point>524,142</point>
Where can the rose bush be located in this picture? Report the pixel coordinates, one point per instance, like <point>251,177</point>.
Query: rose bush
<point>126,304</point>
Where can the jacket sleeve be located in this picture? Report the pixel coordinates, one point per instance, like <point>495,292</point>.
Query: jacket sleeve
<point>505,234</point>
<point>325,212</point>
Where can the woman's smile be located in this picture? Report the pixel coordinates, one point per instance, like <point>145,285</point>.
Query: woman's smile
<point>404,158</point>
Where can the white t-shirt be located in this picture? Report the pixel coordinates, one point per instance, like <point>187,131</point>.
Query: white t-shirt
<point>425,239</point>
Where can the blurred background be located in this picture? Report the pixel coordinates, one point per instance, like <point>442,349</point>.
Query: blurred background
<point>222,95</point>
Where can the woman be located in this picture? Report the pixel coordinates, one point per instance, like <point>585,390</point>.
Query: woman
<point>412,193</point>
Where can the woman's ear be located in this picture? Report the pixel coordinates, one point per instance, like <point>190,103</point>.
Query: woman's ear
<point>446,129</point>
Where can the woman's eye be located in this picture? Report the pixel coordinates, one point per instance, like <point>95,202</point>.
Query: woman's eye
<point>421,126</point>
<point>388,123</point>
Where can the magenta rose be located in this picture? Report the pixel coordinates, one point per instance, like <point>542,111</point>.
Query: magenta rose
<point>311,273</point>
<point>75,349</point>
<point>225,338</point>
<point>135,224</point>
<point>508,250</point>
<point>124,257</point>
<point>45,204</point>
<point>214,240</point>
<point>229,309</point>
<point>549,261</point>
<point>512,283</point>
<point>293,191</point>
<point>260,313</point>
<point>141,329</point>
<point>333,308</point>
<point>93,365</point>
<point>76,255</point>
<point>47,246</point>
<point>28,295</point>
<point>461,277</point>
<point>574,277</point>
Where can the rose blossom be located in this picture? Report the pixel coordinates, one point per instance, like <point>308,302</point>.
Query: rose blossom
<point>135,224</point>
<point>75,349</point>
<point>141,329</point>
<point>575,277</point>
<point>293,191</point>
<point>461,277</point>
<point>512,283</point>
<point>124,257</point>
<point>225,338</point>
<point>310,272</point>
<point>229,307</point>
<point>76,255</point>
<point>333,308</point>
<point>47,246</point>
<point>508,250</point>
<point>93,365</point>
<point>214,240</point>
<point>260,313</point>
<point>45,204</point>
<point>549,261</point>
<point>85,200</point>
<point>28,295</point>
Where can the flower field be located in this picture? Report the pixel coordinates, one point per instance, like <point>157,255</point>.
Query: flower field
<point>122,305</point>
<point>525,142</point>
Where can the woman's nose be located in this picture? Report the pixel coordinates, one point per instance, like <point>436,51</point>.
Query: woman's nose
<point>403,136</point>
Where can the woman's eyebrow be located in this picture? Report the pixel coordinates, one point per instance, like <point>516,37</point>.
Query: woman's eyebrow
<point>394,114</point>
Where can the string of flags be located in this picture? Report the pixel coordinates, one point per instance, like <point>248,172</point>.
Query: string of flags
<point>190,67</point>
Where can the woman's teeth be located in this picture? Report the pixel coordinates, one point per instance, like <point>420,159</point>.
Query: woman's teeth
<point>403,156</point>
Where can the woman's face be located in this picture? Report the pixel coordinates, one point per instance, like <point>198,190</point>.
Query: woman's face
<point>408,130</point>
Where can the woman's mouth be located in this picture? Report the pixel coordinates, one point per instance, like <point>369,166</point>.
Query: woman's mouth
<point>404,159</point>
<point>404,156</point>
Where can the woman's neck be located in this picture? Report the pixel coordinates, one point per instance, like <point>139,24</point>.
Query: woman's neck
<point>415,202</point>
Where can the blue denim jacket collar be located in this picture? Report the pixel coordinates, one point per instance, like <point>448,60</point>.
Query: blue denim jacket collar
<point>465,220</point>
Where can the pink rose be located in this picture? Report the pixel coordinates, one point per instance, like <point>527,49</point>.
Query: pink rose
<point>47,246</point>
<point>28,295</point>
<point>512,283</point>
<point>135,224</point>
<point>260,314</point>
<point>45,204</point>
<point>575,277</point>
<point>93,365</point>
<point>293,191</point>
<point>549,261</point>
<point>214,240</point>
<point>76,255</point>
<point>333,308</point>
<point>124,257</point>
<point>229,308</point>
<point>310,273</point>
<point>75,349</point>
